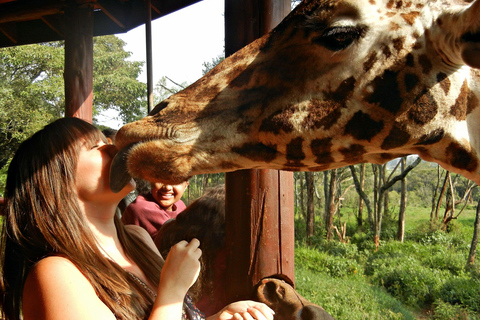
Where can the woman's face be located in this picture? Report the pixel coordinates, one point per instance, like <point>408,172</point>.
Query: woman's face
<point>93,173</point>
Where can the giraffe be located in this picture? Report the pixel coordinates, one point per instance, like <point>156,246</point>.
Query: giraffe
<point>337,82</point>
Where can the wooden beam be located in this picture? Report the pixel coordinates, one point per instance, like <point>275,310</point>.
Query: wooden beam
<point>109,14</point>
<point>259,203</point>
<point>8,30</point>
<point>78,73</point>
<point>32,12</point>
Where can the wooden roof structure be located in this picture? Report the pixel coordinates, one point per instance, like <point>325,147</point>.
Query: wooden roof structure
<point>259,203</point>
<point>35,21</point>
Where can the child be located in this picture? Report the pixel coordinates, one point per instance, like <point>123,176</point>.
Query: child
<point>152,210</point>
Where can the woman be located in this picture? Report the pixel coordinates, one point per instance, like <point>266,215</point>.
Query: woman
<point>67,255</point>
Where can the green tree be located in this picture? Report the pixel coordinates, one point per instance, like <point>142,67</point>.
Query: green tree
<point>32,88</point>
<point>115,84</point>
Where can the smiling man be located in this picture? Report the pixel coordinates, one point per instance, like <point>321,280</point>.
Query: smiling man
<point>150,211</point>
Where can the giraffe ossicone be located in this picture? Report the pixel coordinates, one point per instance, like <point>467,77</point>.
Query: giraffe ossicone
<point>337,82</point>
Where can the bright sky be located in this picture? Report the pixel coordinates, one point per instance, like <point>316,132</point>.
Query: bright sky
<point>181,42</point>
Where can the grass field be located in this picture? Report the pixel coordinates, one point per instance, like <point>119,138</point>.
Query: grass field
<point>423,278</point>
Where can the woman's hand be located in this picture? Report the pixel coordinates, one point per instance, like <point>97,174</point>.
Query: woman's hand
<point>244,310</point>
<point>179,272</point>
<point>181,267</point>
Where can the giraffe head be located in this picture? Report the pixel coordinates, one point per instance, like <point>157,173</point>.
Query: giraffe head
<point>337,82</point>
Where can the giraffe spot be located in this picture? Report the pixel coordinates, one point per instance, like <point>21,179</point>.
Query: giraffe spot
<point>432,137</point>
<point>295,151</point>
<point>410,60</point>
<point>228,165</point>
<point>394,26</point>
<point>398,43</point>
<point>367,65</point>
<point>322,150</point>
<point>386,93</point>
<point>396,138</point>
<point>278,121</point>
<point>242,79</point>
<point>472,103</point>
<point>425,63</point>
<point>353,154</point>
<point>461,158</point>
<point>459,109</point>
<point>387,52</point>
<point>418,44</point>
<point>423,109</point>
<point>411,81</point>
<point>257,152</point>
<point>362,127</point>
<point>410,17</point>
<point>322,114</point>
<point>343,92</point>
<point>444,82</point>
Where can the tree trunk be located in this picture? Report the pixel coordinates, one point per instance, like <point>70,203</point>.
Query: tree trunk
<point>403,204</point>
<point>302,202</point>
<point>331,204</point>
<point>310,203</point>
<point>442,193</point>
<point>360,200</point>
<point>363,195</point>
<point>435,192</point>
<point>476,231</point>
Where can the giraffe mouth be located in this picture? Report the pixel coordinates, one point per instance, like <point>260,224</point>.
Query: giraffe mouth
<point>119,175</point>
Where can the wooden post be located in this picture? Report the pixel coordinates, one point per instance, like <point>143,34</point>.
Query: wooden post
<point>148,41</point>
<point>78,75</point>
<point>259,203</point>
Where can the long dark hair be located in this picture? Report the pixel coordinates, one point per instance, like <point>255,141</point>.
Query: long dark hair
<point>204,219</point>
<point>41,203</point>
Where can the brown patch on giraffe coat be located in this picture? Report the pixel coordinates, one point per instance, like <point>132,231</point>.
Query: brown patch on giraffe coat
<point>411,81</point>
<point>472,103</point>
<point>386,93</point>
<point>410,60</point>
<point>394,26</point>
<point>423,109</point>
<point>295,152</point>
<point>396,138</point>
<point>322,150</point>
<point>362,127</point>
<point>386,52</point>
<point>322,114</point>
<point>444,82</point>
<point>326,113</point>
<point>461,158</point>
<point>425,63</point>
<point>258,152</point>
<point>278,121</point>
<point>398,43</point>
<point>368,64</point>
<point>410,17</point>
<point>431,137</point>
<point>353,154</point>
<point>459,109</point>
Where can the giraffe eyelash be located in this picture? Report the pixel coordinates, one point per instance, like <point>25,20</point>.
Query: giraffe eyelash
<point>339,38</point>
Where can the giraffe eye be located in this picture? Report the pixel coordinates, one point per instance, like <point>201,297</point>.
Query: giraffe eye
<point>339,38</point>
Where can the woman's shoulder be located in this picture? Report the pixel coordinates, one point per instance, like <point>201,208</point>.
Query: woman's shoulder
<point>55,282</point>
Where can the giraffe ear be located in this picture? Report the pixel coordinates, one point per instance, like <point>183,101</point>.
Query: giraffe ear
<point>470,40</point>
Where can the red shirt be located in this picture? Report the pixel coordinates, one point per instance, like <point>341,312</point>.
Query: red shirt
<point>147,213</point>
